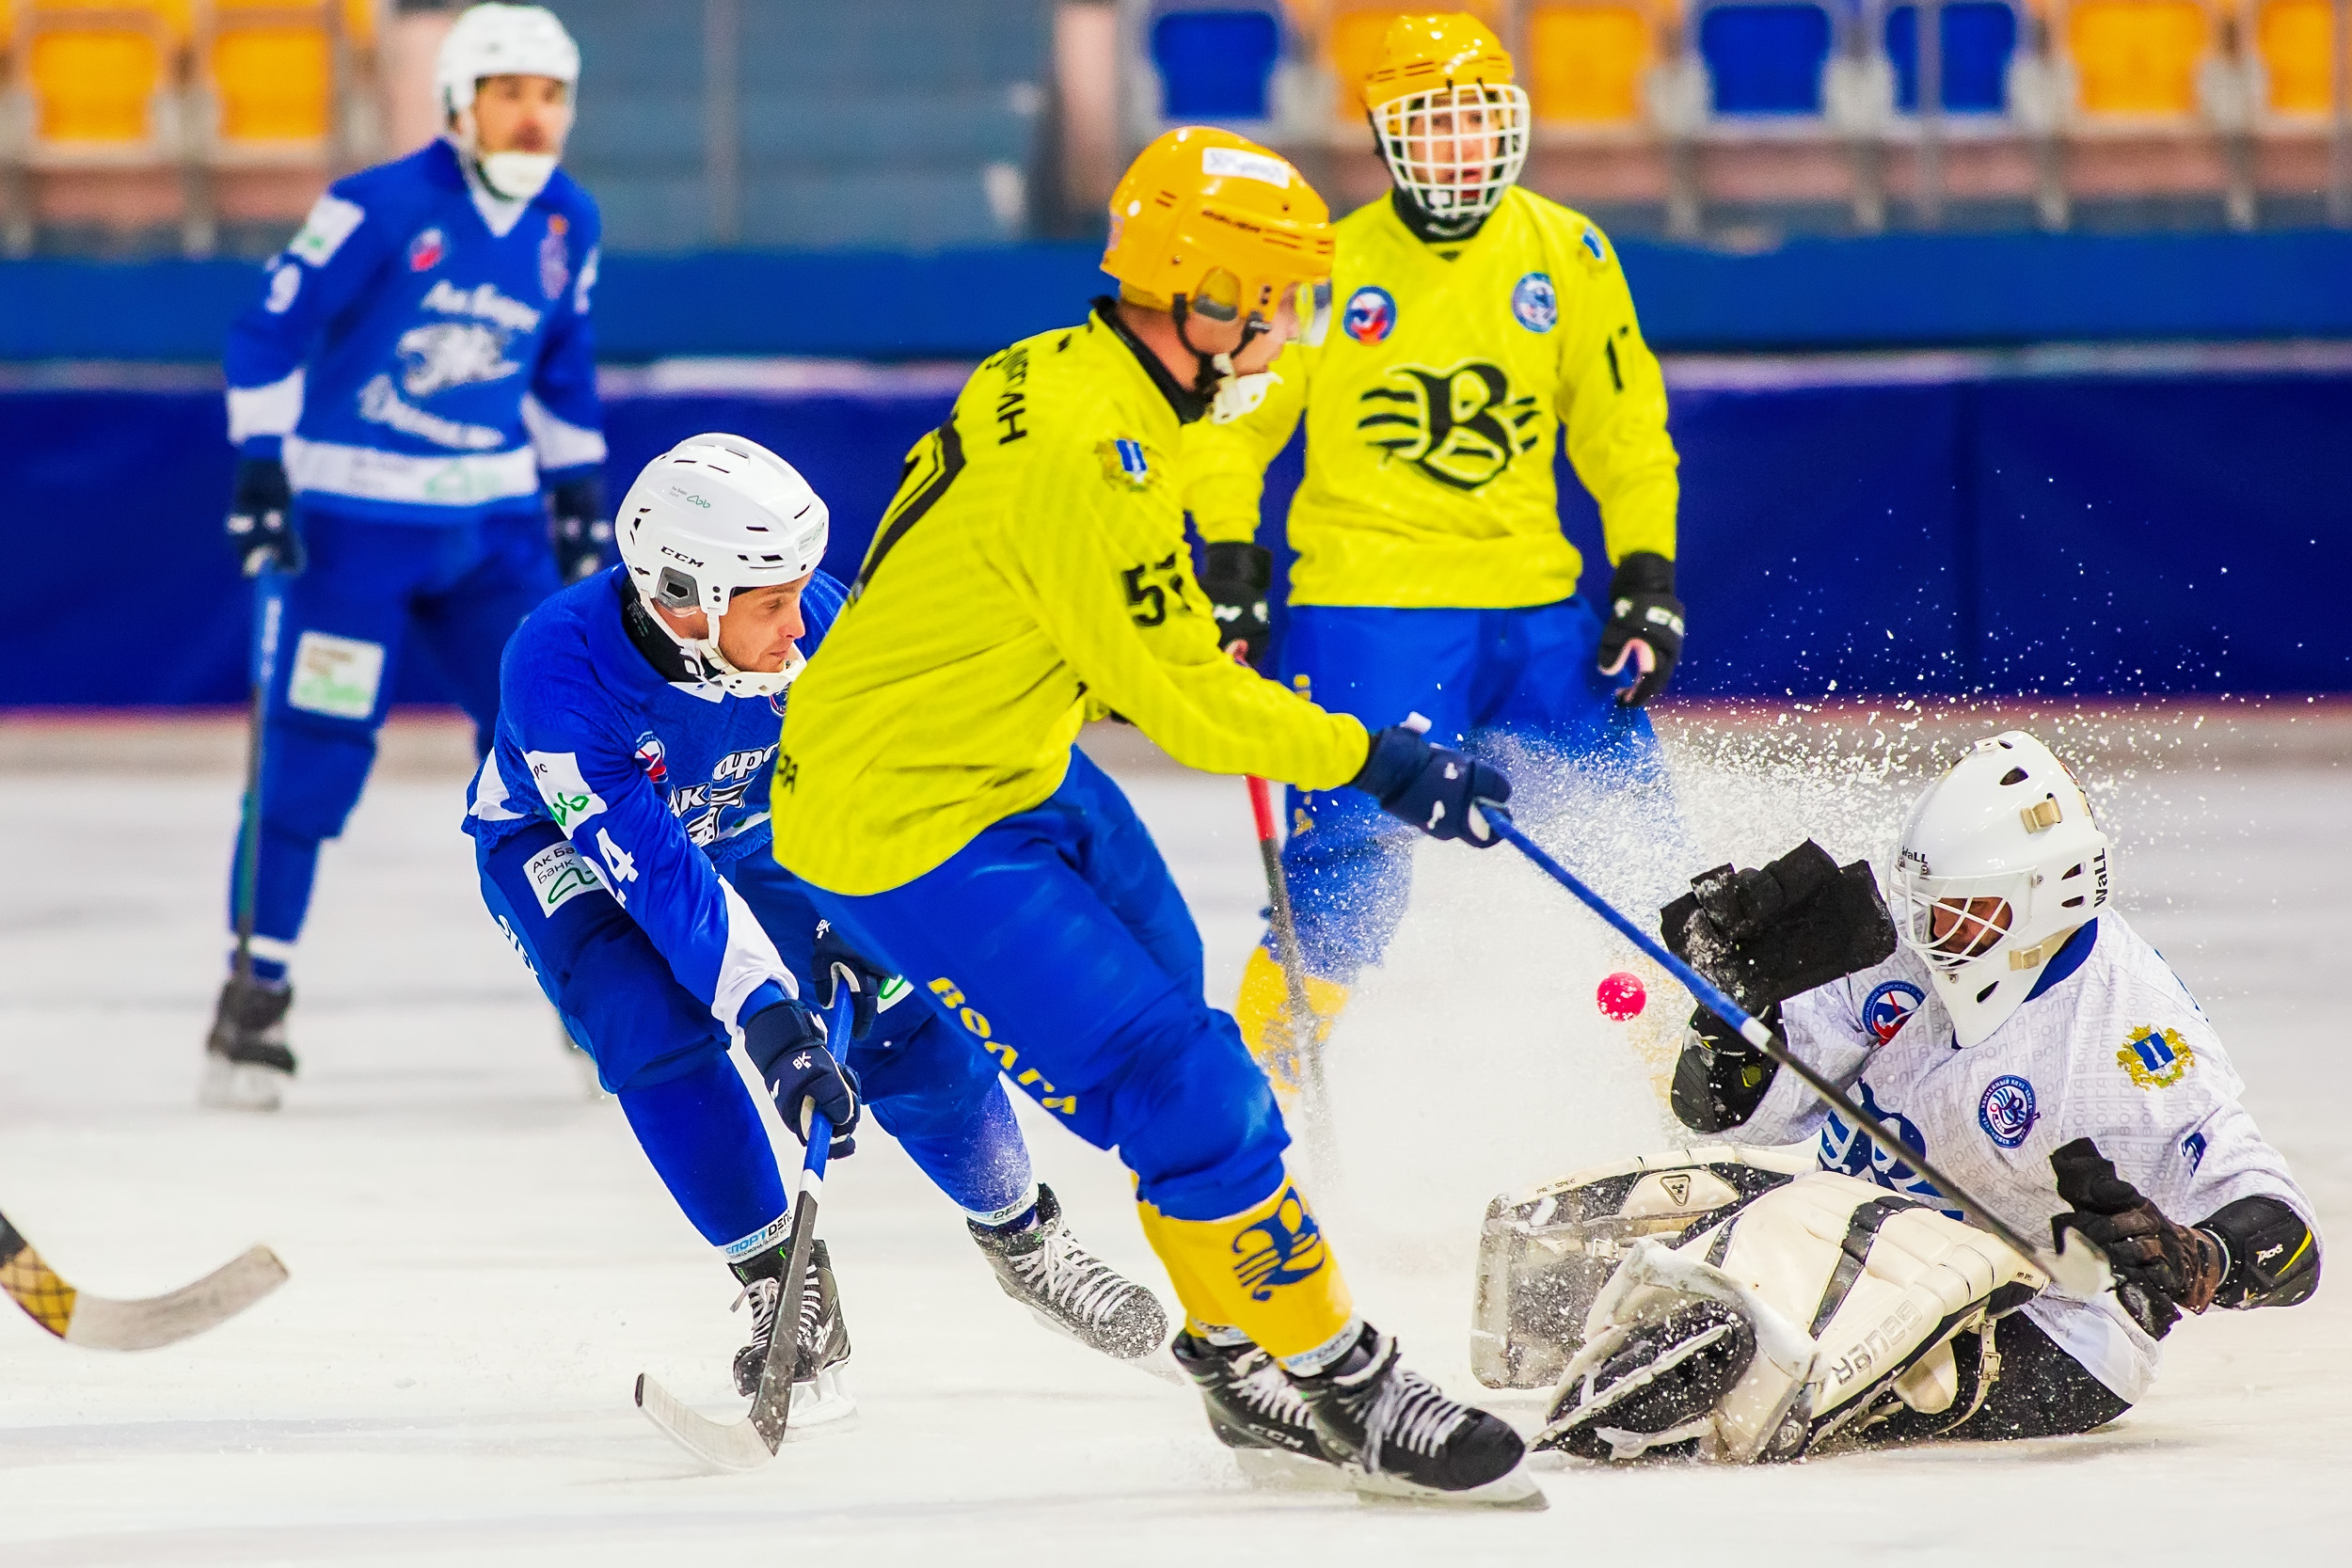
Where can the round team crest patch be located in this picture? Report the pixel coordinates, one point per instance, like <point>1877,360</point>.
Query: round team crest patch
<point>2006,1111</point>
<point>1535,302</point>
<point>427,250</point>
<point>1890,1008</point>
<point>1371,314</point>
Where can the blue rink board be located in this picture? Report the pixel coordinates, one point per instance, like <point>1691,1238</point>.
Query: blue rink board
<point>2101,522</point>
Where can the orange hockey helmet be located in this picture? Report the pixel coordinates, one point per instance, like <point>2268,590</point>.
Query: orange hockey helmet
<point>1453,125</point>
<point>1208,223</point>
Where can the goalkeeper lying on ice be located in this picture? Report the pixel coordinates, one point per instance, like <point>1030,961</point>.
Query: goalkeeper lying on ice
<point>1742,1302</point>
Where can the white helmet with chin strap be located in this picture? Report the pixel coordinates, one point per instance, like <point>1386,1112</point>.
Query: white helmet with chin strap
<point>2006,824</point>
<point>714,517</point>
<point>503,41</point>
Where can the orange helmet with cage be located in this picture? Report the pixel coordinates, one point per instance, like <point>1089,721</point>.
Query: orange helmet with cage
<point>1208,223</point>
<point>1451,122</point>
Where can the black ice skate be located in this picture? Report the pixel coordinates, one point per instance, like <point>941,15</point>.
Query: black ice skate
<point>1255,1412</point>
<point>247,1064</point>
<point>819,1394</point>
<point>1397,1436</point>
<point>1656,1396</point>
<point>1071,1291</point>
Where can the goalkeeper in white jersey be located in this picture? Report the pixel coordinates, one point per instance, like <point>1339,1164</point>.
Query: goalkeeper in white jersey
<point>2009,1025</point>
<point>1482,329</point>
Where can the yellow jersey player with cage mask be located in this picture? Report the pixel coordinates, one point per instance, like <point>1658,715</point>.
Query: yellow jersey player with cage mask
<point>1479,326</point>
<point>1031,569</point>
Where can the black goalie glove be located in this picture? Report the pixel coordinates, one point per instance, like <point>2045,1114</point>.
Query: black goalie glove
<point>1236,575</point>
<point>1645,625</point>
<point>578,527</point>
<point>1767,935</point>
<point>2160,1266</point>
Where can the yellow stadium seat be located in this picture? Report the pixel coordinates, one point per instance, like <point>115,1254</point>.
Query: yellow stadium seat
<point>271,67</point>
<point>2292,38</point>
<point>2137,60</point>
<point>95,72</point>
<point>1584,63</point>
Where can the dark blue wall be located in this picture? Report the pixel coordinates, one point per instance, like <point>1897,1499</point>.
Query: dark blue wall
<point>1895,291</point>
<point>2182,531</point>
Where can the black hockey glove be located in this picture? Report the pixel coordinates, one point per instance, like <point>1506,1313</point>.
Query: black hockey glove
<point>786,1042</point>
<point>1645,623</point>
<point>578,527</point>
<point>1236,575</point>
<point>2274,1257</point>
<point>2160,1266</point>
<point>1437,789</point>
<point>835,959</point>
<point>261,519</point>
<point>1767,935</point>
<point>1721,1079</point>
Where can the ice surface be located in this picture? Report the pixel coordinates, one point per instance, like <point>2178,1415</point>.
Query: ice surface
<point>482,1260</point>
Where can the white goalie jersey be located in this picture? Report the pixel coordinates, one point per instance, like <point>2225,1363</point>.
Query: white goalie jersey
<point>2109,1046</point>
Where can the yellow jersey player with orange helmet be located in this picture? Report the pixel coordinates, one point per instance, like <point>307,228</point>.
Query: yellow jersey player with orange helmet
<point>1032,569</point>
<point>1480,324</point>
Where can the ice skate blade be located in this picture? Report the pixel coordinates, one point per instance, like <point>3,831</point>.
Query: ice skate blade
<point>823,1401</point>
<point>1516,1490</point>
<point>1152,1363</point>
<point>229,1086</point>
<point>1279,1470</point>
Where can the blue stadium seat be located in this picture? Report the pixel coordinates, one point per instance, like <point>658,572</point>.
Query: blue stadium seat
<point>1766,59</point>
<point>875,122</point>
<point>1216,65</point>
<point>1979,37</point>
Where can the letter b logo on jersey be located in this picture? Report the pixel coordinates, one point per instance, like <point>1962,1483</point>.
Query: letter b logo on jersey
<point>1461,427</point>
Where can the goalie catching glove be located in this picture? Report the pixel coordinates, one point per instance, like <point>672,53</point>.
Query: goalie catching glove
<point>1765,935</point>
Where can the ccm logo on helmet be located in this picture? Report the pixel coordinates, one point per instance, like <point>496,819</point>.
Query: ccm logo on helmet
<point>675,554</point>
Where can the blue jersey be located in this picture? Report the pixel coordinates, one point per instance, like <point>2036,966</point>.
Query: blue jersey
<point>421,349</point>
<point>659,785</point>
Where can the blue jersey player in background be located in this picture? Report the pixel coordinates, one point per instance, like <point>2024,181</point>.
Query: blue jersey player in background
<point>621,821</point>
<point>415,386</point>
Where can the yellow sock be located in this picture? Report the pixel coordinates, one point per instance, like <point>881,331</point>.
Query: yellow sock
<point>1264,1271</point>
<point>1262,1010</point>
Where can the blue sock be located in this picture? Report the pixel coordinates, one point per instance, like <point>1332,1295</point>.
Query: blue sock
<point>703,1134</point>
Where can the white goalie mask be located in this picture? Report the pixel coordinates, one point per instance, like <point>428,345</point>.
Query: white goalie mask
<point>1455,150</point>
<point>714,517</point>
<point>2000,862</point>
<point>503,41</point>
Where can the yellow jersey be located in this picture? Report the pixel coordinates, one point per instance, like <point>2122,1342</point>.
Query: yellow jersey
<point>1031,569</point>
<point>1433,411</point>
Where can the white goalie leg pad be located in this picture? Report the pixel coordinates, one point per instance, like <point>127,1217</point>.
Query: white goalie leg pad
<point>1851,1290</point>
<point>1544,1254</point>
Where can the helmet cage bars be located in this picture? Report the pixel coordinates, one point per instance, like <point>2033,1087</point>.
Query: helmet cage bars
<point>1455,150</point>
<point>1971,937</point>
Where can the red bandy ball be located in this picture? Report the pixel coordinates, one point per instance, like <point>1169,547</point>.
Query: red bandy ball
<point>1622,996</point>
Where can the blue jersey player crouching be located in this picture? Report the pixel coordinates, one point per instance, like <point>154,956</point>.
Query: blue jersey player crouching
<point>621,823</point>
<point>416,374</point>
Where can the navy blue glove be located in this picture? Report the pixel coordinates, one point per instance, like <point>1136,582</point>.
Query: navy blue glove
<point>832,957</point>
<point>261,518</point>
<point>1435,788</point>
<point>786,1042</point>
<point>578,528</point>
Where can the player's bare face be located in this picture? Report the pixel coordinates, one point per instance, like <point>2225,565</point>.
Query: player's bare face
<point>757,632</point>
<point>1967,927</point>
<point>521,114</point>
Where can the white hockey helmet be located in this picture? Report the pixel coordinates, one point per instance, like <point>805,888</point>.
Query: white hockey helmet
<point>494,39</point>
<point>2000,862</point>
<point>714,517</point>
